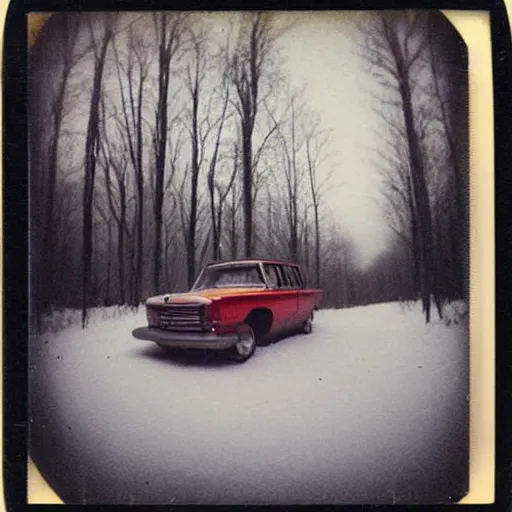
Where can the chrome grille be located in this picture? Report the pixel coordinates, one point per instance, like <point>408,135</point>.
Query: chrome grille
<point>180,317</point>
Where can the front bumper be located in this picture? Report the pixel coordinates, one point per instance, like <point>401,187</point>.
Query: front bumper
<point>199,340</point>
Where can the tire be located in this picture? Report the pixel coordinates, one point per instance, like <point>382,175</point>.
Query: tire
<point>245,347</point>
<point>307,326</point>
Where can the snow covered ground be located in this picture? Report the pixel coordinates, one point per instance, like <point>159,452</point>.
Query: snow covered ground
<point>369,408</point>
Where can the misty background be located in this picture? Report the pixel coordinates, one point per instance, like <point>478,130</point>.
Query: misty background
<point>162,141</point>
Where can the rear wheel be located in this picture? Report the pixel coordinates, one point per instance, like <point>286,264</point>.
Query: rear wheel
<point>246,344</point>
<point>307,327</point>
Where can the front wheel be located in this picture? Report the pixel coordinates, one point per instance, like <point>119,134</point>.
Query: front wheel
<point>246,344</point>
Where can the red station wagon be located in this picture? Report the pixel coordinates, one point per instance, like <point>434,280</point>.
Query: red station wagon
<point>233,306</point>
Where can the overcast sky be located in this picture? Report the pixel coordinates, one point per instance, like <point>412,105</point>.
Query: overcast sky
<point>321,52</point>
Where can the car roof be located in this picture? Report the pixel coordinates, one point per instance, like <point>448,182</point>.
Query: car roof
<point>250,261</point>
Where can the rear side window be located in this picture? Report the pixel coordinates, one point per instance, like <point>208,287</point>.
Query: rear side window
<point>292,277</point>
<point>288,278</point>
<point>298,277</point>
<point>283,276</point>
<point>272,275</point>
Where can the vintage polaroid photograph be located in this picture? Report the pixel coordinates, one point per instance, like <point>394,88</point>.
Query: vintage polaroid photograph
<point>249,257</point>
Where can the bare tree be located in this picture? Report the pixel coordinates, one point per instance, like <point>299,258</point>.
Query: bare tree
<point>216,211</point>
<point>450,98</point>
<point>196,72</point>
<point>115,165</point>
<point>395,43</point>
<point>291,143</point>
<point>169,28</point>
<point>67,215</point>
<point>179,191</point>
<point>67,58</point>
<point>134,72</point>
<point>249,66</point>
<point>234,207</point>
<point>100,44</point>
<point>107,219</point>
<point>397,200</point>
<point>217,207</point>
<point>315,143</point>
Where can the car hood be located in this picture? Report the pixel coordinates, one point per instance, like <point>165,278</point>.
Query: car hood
<point>200,296</point>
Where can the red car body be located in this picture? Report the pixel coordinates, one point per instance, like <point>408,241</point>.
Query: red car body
<point>233,306</point>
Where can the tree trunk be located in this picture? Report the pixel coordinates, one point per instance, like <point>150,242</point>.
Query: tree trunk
<point>307,263</point>
<point>120,261</point>
<point>90,169</point>
<point>219,231</point>
<point>133,273</point>
<point>159,170</point>
<point>191,246</point>
<point>424,217</point>
<point>459,240</point>
<point>164,62</point>
<point>48,237</point>
<point>108,300</point>
<point>140,197</point>
<point>418,180</point>
<point>48,249</point>
<point>317,246</point>
<point>415,254</point>
<point>134,137</point>
<point>213,216</point>
<point>234,245</point>
<point>247,189</point>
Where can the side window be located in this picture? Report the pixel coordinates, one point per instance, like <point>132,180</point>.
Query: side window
<point>292,279</point>
<point>283,281</point>
<point>298,277</point>
<point>273,278</point>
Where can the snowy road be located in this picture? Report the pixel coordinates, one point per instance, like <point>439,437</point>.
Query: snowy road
<point>370,408</point>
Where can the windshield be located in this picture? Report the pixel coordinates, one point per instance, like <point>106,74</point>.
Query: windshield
<point>230,277</point>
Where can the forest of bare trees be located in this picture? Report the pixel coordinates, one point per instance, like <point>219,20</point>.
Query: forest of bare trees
<point>162,141</point>
<point>422,102</point>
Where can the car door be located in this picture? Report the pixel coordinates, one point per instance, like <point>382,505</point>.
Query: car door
<point>306,298</point>
<point>291,298</point>
<point>284,297</point>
